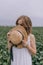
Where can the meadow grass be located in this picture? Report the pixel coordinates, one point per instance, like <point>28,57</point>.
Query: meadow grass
<point>5,55</point>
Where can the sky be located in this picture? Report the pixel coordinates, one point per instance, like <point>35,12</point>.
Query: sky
<point>10,10</point>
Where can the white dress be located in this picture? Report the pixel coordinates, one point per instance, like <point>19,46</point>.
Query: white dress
<point>21,56</point>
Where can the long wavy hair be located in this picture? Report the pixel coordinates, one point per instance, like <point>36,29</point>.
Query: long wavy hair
<point>26,23</point>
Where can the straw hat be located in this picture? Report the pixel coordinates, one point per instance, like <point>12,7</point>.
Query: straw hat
<point>17,34</point>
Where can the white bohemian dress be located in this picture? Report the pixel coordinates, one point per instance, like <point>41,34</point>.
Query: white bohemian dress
<point>21,56</point>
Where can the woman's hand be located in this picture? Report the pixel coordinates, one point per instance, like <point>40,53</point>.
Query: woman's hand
<point>24,43</point>
<point>9,45</point>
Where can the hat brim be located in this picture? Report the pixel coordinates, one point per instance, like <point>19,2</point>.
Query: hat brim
<point>17,39</point>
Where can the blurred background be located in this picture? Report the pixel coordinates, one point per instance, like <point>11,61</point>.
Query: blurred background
<point>10,10</point>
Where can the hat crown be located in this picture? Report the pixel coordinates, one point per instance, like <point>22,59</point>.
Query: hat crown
<point>16,34</point>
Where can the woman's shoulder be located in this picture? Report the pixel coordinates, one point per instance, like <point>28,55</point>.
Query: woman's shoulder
<point>32,36</point>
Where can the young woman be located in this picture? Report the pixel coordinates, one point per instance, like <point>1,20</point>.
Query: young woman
<point>22,56</point>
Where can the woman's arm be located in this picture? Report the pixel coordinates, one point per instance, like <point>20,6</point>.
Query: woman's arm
<point>32,46</point>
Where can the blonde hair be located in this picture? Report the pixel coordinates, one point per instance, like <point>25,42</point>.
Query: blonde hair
<point>26,23</point>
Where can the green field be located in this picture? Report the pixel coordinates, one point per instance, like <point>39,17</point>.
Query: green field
<point>4,54</point>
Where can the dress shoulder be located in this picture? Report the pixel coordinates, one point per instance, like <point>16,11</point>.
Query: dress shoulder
<point>32,36</point>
